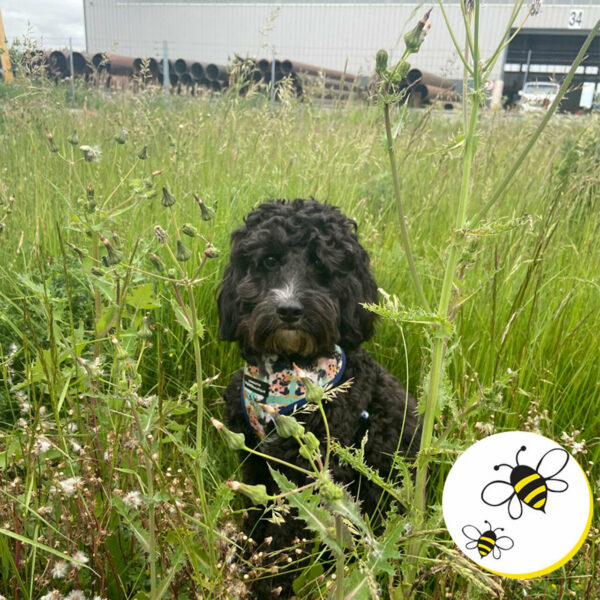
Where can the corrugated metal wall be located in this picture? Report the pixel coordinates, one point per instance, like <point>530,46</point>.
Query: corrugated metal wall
<point>323,34</point>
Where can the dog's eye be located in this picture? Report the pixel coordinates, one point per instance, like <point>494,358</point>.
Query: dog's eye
<point>318,265</point>
<point>270,261</point>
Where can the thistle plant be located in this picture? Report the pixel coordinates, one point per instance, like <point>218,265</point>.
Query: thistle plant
<point>439,320</point>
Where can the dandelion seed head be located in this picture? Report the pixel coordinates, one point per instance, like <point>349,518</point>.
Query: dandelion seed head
<point>80,557</point>
<point>60,569</point>
<point>68,487</point>
<point>133,499</point>
<point>41,445</point>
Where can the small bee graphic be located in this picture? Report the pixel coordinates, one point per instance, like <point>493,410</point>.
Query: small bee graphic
<point>527,484</point>
<point>487,541</point>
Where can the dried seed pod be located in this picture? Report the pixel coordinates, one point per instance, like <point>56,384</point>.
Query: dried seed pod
<point>206,212</point>
<point>183,254</point>
<point>189,230</point>
<point>158,264</point>
<point>167,198</point>
<point>121,137</point>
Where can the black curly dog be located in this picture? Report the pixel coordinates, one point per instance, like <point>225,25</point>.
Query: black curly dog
<point>293,287</point>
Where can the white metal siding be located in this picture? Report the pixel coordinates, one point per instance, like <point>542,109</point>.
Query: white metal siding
<point>322,34</point>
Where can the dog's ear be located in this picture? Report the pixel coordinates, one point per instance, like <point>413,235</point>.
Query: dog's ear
<point>357,323</point>
<point>228,311</point>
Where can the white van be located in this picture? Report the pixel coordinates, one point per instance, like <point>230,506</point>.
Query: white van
<point>538,95</point>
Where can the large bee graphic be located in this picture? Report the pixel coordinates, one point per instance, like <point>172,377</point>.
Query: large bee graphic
<point>528,485</point>
<point>487,541</point>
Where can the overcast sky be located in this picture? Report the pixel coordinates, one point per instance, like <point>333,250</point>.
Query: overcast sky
<point>51,21</point>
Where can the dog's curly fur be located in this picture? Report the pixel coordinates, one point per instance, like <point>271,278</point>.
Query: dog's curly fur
<point>306,256</point>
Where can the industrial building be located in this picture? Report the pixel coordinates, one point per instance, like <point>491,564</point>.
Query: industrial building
<point>346,35</point>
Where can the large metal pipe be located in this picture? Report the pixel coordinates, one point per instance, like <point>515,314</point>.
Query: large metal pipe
<point>314,70</point>
<point>151,65</point>
<point>264,66</point>
<point>100,60</point>
<point>202,81</point>
<point>181,66</point>
<point>59,62</point>
<point>114,64</point>
<point>431,92</point>
<point>419,76</point>
<point>81,63</point>
<point>186,79</point>
<point>197,70</point>
<point>216,72</point>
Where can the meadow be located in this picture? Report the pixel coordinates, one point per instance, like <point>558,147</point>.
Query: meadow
<point>112,478</point>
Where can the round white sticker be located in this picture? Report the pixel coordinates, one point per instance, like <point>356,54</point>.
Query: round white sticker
<point>518,504</point>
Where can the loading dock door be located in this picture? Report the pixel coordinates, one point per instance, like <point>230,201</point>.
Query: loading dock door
<point>547,55</point>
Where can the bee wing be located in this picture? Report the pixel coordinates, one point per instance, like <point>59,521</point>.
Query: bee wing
<point>504,543</point>
<point>552,463</point>
<point>496,552</point>
<point>557,485</point>
<point>471,532</point>
<point>515,507</point>
<point>472,544</point>
<point>497,492</point>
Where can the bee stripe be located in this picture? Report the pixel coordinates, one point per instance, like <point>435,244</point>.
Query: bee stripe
<point>484,547</point>
<point>519,486</point>
<point>536,492</point>
<point>486,539</point>
<point>540,503</point>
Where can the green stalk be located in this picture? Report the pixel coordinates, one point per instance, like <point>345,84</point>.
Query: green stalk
<point>339,568</point>
<point>151,516</point>
<point>403,229</point>
<point>416,547</point>
<point>200,420</point>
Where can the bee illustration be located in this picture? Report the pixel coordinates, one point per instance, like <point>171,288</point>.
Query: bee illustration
<point>528,485</point>
<point>487,541</point>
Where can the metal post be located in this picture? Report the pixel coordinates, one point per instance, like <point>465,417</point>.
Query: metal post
<point>72,67</point>
<point>166,73</point>
<point>527,67</point>
<point>272,81</point>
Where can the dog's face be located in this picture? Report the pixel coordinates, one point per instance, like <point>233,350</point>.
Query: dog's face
<point>295,281</point>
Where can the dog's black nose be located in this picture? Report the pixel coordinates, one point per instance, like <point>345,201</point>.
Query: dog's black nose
<point>289,311</point>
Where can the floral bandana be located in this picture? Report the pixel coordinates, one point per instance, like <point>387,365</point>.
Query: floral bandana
<point>280,386</point>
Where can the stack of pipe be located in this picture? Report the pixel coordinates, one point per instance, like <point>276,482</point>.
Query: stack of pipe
<point>113,69</point>
<point>427,87</point>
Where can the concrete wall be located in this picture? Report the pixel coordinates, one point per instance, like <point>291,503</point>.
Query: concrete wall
<point>324,34</point>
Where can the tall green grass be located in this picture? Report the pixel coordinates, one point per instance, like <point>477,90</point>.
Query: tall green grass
<point>525,353</point>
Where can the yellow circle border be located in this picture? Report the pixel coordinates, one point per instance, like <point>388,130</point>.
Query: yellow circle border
<point>568,556</point>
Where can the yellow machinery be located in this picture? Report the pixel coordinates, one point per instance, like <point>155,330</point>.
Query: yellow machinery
<point>4,57</point>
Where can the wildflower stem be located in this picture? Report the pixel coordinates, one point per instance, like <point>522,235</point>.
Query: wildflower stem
<point>200,421</point>
<point>417,547</point>
<point>123,180</point>
<point>327,435</point>
<point>403,229</point>
<point>294,491</point>
<point>339,569</point>
<point>151,509</point>
<point>277,460</point>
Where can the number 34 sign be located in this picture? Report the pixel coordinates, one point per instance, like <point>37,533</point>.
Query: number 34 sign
<point>575,18</point>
